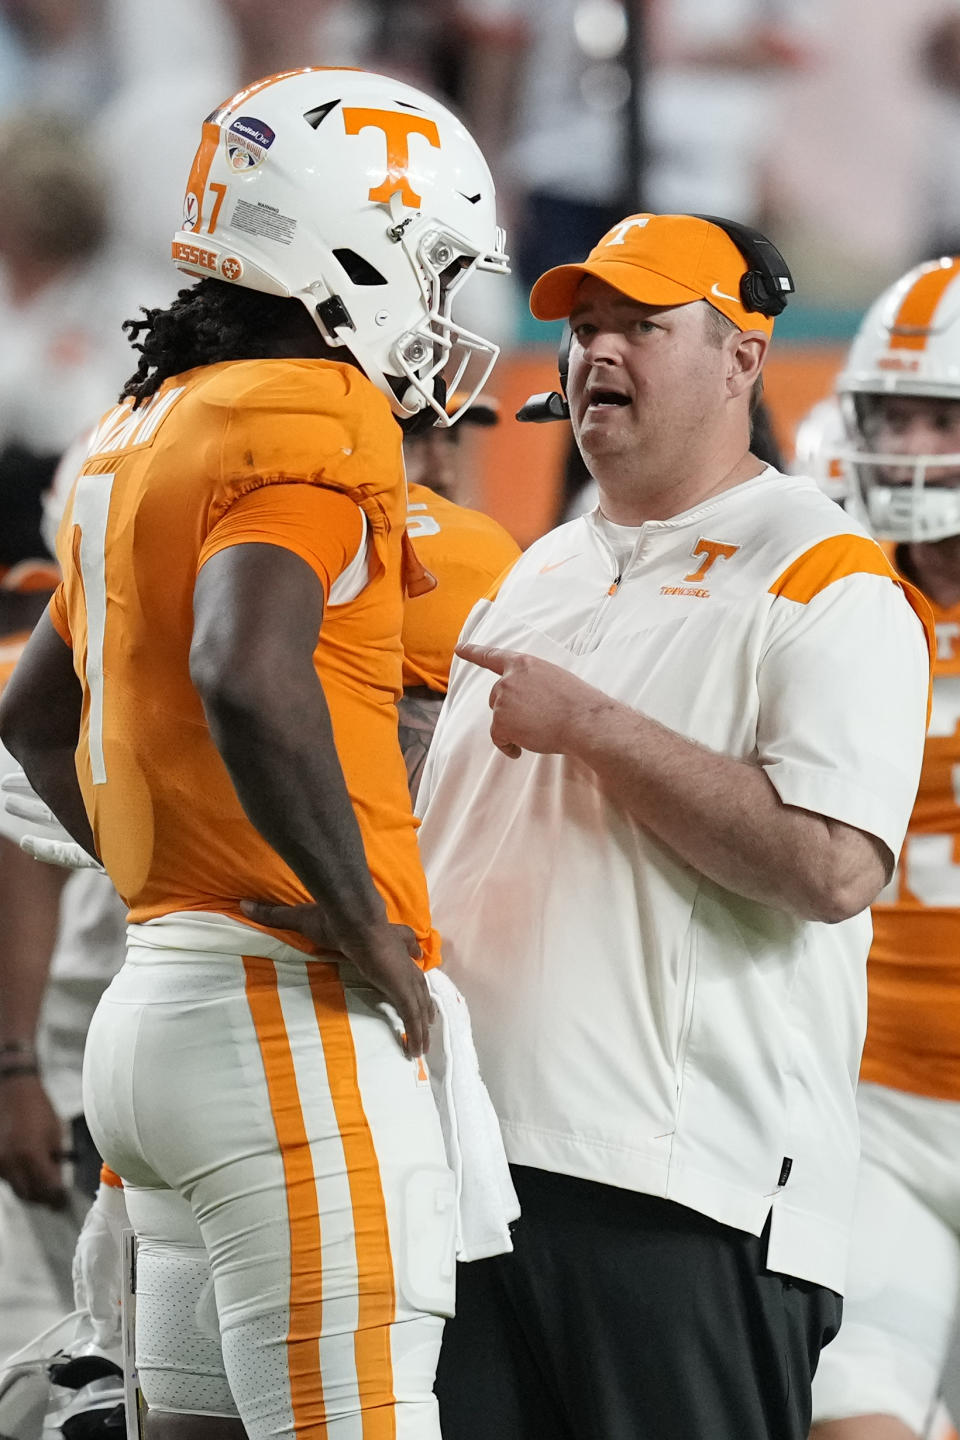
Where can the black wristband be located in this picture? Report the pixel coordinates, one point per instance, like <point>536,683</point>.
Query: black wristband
<point>18,1067</point>
<point>17,1047</point>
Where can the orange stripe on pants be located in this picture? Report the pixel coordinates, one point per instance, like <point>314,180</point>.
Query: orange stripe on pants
<point>375,1279</point>
<point>306,1299</point>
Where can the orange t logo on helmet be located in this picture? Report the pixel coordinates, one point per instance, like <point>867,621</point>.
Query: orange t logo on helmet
<point>397,128</point>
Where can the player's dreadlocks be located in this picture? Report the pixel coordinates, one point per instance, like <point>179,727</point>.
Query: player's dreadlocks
<point>211,322</point>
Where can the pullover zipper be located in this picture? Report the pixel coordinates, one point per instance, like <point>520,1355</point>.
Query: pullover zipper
<point>594,625</point>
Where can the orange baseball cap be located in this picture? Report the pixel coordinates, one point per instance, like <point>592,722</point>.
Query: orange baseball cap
<point>657,260</point>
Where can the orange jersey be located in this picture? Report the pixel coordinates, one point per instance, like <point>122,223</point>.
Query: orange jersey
<point>287,452</point>
<point>467,552</point>
<point>913,1031</point>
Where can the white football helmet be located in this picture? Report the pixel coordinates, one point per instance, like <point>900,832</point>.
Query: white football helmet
<point>908,344</point>
<point>366,200</point>
<point>819,448</point>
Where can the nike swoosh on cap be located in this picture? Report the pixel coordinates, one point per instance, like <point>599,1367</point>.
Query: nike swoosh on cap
<point>722,294</point>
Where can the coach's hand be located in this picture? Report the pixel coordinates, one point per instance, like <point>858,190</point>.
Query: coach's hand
<point>536,705</point>
<point>386,958</point>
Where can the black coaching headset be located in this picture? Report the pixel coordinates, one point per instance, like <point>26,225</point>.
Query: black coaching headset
<point>763,288</point>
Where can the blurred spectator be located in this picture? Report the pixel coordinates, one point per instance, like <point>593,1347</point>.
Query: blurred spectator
<point>546,88</point>
<point>56,56</point>
<point>939,56</point>
<point>712,98</point>
<point>63,296</point>
<point>121,76</point>
<point>72,59</point>
<point>567,72</point>
<point>851,152</point>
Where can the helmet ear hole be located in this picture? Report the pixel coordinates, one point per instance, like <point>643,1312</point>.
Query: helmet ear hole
<point>361,272</point>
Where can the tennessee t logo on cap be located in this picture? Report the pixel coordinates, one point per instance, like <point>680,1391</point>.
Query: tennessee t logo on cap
<point>660,260</point>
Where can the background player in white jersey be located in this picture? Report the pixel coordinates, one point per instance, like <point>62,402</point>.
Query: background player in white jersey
<point>900,394</point>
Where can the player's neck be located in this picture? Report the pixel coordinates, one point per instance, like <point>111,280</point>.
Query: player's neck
<point>634,499</point>
<point>935,568</point>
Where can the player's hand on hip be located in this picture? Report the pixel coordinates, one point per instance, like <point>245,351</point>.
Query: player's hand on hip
<point>536,705</point>
<point>386,959</point>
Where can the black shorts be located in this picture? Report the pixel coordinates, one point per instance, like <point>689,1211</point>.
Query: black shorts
<point>622,1316</point>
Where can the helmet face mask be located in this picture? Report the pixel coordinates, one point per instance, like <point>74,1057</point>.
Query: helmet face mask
<point>437,348</point>
<point>923,509</point>
<point>906,354</point>
<point>904,494</point>
<point>366,200</point>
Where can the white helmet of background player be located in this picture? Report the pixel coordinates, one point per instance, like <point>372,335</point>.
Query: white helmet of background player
<point>366,200</point>
<point>909,345</point>
<point>820,446</point>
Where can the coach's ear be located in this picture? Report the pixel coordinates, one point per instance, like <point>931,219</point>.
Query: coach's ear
<point>746,353</point>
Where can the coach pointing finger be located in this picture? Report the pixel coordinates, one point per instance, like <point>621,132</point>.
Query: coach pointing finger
<point>536,706</point>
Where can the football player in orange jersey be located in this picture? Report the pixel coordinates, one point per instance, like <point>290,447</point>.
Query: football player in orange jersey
<point>465,549</point>
<point>225,647</point>
<point>880,1379</point>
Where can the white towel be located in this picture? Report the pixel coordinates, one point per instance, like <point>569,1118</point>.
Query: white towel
<point>486,1199</point>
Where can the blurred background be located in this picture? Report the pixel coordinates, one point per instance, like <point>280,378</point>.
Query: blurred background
<point>836,133</point>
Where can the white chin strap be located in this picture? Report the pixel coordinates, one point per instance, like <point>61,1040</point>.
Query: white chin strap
<point>412,400</point>
<point>900,512</point>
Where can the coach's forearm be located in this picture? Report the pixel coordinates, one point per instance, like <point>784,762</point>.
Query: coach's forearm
<point>725,819</point>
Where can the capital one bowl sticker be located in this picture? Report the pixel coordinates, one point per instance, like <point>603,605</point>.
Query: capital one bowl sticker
<point>248,140</point>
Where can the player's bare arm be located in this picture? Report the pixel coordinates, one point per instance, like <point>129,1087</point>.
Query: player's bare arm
<point>418,711</point>
<point>31,1136</point>
<point>721,815</point>
<point>40,725</point>
<point>258,609</point>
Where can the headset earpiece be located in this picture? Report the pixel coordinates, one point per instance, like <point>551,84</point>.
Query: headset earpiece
<point>767,283</point>
<point>563,357</point>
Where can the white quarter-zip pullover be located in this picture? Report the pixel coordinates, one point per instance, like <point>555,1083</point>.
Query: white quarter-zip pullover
<point>636,1023</point>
